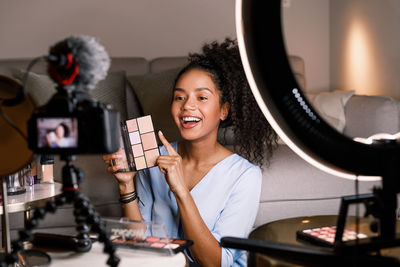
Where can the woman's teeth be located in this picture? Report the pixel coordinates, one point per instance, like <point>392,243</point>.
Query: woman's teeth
<point>190,119</point>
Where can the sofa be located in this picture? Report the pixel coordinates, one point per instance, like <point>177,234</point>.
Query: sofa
<point>291,186</point>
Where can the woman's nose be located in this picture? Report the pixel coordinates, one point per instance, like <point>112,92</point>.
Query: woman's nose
<point>189,104</point>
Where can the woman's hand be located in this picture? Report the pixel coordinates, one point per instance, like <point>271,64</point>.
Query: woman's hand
<point>51,139</point>
<point>171,166</point>
<point>114,163</point>
<point>125,181</point>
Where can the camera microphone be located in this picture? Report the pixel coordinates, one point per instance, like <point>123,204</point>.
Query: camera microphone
<point>60,60</point>
<point>72,122</point>
<point>78,62</point>
<point>62,68</point>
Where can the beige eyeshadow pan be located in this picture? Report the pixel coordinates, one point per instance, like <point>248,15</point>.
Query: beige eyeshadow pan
<point>143,142</point>
<point>140,163</point>
<point>137,150</point>
<point>151,157</point>
<point>145,124</point>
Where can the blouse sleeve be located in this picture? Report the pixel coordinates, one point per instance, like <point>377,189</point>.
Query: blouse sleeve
<point>145,194</point>
<point>238,216</point>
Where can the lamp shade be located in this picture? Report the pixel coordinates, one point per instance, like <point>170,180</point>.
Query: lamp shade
<point>266,63</point>
<point>14,151</point>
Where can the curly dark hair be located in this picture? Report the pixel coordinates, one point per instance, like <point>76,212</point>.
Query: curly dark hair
<point>66,129</point>
<point>253,136</point>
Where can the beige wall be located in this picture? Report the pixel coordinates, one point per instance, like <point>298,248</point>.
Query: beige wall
<point>152,28</point>
<point>147,28</point>
<point>366,46</point>
<point>314,29</point>
<point>306,26</point>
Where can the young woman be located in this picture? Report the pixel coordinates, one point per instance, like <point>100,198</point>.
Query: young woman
<point>58,137</point>
<point>201,190</point>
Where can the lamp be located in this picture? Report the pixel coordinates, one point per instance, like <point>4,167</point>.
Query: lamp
<point>265,60</point>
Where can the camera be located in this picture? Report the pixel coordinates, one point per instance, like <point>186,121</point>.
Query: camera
<point>72,122</point>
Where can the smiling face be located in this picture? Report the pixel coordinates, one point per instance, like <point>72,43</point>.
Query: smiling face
<point>60,131</point>
<point>196,107</point>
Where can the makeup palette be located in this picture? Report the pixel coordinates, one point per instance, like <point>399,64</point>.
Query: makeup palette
<point>140,143</point>
<point>155,244</point>
<point>325,236</point>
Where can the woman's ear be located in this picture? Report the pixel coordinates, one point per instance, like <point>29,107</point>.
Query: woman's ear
<point>224,111</point>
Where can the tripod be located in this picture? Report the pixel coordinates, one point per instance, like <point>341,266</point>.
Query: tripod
<point>84,212</point>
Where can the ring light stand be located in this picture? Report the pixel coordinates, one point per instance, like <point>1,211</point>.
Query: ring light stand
<point>264,57</point>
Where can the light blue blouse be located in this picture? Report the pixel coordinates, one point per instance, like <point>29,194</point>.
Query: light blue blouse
<point>227,198</point>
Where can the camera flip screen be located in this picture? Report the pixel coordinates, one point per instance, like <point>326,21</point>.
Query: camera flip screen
<point>57,133</point>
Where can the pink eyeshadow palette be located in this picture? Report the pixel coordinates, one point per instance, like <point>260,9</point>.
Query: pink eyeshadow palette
<point>156,244</point>
<point>325,236</point>
<point>140,143</point>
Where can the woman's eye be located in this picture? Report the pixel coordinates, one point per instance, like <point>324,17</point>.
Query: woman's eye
<point>179,98</point>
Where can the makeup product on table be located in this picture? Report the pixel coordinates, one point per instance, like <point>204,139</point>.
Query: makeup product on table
<point>155,244</point>
<point>141,235</point>
<point>325,236</point>
<point>45,172</point>
<point>139,144</point>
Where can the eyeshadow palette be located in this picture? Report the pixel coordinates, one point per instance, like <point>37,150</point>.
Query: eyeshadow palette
<point>155,244</point>
<point>140,143</point>
<point>325,236</point>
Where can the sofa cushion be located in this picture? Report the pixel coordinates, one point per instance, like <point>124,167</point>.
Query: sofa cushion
<point>161,64</point>
<point>154,92</point>
<point>111,90</point>
<point>292,187</point>
<point>331,106</point>
<point>133,107</point>
<point>131,65</point>
<point>369,115</point>
<point>298,69</point>
<point>39,86</point>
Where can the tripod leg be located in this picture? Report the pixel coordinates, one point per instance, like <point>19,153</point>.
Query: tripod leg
<point>83,208</point>
<point>84,214</point>
<point>26,235</point>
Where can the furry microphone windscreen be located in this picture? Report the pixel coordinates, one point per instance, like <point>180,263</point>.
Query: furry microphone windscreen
<point>88,54</point>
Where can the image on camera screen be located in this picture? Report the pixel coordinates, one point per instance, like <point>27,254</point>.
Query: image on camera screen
<point>57,132</point>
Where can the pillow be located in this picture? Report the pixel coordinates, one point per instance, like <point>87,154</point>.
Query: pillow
<point>369,115</point>
<point>154,92</point>
<point>39,86</point>
<point>330,106</point>
<point>111,90</point>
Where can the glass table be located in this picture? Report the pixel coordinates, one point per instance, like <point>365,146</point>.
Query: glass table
<point>284,232</point>
<point>35,196</point>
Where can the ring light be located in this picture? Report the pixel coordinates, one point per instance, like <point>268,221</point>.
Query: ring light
<point>264,58</point>
<point>266,63</point>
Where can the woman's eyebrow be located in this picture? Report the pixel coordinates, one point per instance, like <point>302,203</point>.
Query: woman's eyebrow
<point>197,89</point>
<point>204,89</point>
<point>178,89</point>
